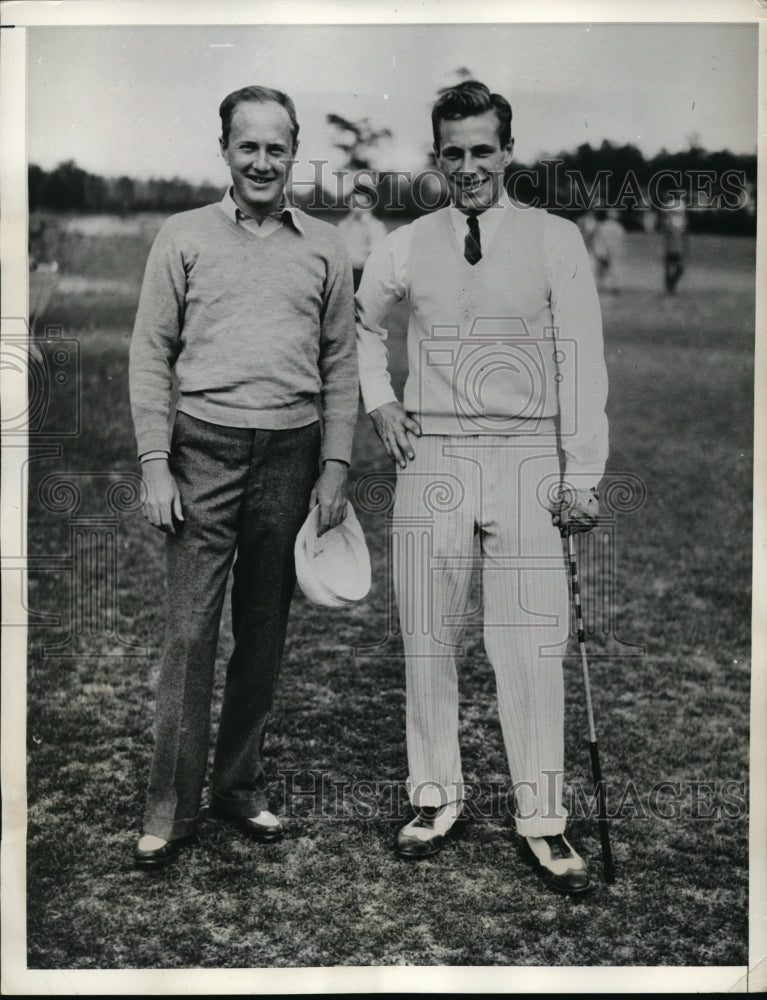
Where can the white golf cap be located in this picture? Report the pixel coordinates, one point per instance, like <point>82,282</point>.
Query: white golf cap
<point>334,569</point>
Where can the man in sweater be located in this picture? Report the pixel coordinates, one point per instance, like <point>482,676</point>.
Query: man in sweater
<point>505,372</point>
<point>250,303</point>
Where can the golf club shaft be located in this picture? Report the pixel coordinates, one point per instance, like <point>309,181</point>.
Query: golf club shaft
<point>596,770</point>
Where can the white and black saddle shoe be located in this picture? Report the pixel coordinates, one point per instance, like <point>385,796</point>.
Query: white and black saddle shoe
<point>559,865</point>
<point>264,827</point>
<point>425,835</point>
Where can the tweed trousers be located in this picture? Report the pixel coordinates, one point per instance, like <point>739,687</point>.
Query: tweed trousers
<point>244,494</point>
<point>456,488</point>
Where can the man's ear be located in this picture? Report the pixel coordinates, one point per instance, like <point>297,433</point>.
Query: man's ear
<point>224,149</point>
<point>435,147</point>
<point>508,153</point>
<point>289,161</point>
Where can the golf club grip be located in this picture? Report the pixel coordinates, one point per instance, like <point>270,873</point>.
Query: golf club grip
<point>604,833</point>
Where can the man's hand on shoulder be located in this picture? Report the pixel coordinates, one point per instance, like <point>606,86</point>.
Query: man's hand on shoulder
<point>576,511</point>
<point>162,500</point>
<point>393,427</point>
<point>330,493</point>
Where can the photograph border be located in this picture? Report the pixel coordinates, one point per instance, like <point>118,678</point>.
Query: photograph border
<point>15,17</point>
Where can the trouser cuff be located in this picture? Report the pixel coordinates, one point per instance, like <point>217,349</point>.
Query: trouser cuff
<point>433,795</point>
<point>249,805</point>
<point>539,826</point>
<point>169,828</point>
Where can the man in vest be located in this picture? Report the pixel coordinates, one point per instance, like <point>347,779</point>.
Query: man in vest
<point>505,374</point>
<point>250,303</point>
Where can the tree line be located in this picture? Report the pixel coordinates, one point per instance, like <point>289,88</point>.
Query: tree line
<point>69,188</point>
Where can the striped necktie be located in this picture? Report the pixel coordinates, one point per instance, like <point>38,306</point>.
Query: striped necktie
<point>472,249</point>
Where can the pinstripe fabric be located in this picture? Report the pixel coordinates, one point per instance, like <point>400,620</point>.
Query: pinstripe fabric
<point>456,487</point>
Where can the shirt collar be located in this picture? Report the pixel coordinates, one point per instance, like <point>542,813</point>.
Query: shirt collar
<point>502,203</point>
<point>488,220</point>
<point>287,212</point>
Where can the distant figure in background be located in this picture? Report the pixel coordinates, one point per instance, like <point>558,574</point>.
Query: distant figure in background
<point>361,231</point>
<point>588,225</point>
<point>673,223</point>
<point>607,250</point>
<point>43,248</point>
<point>43,281</point>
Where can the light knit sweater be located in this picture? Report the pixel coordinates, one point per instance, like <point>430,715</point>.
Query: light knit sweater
<point>255,329</point>
<point>510,345</point>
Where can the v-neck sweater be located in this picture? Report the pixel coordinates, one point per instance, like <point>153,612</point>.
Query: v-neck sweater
<point>254,329</point>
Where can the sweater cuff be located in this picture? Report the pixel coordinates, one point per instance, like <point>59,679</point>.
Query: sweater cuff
<point>337,441</point>
<point>153,440</point>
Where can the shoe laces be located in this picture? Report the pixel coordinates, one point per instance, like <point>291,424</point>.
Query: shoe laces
<point>560,849</point>
<point>426,816</point>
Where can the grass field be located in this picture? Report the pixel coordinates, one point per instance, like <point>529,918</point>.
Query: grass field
<point>332,892</point>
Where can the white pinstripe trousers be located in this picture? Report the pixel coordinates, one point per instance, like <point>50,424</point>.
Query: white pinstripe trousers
<point>495,486</point>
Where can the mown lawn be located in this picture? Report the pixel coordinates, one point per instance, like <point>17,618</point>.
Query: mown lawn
<point>332,892</point>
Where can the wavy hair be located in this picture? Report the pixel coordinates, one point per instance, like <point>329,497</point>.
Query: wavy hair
<point>467,99</point>
<point>260,95</point>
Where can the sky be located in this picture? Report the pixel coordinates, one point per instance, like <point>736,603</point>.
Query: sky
<point>143,101</point>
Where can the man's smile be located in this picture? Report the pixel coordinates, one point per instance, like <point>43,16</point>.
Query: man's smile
<point>262,181</point>
<point>471,184</point>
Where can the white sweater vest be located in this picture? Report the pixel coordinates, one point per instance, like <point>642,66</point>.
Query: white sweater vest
<point>481,344</point>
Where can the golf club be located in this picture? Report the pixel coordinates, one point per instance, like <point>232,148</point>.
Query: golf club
<point>596,770</point>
